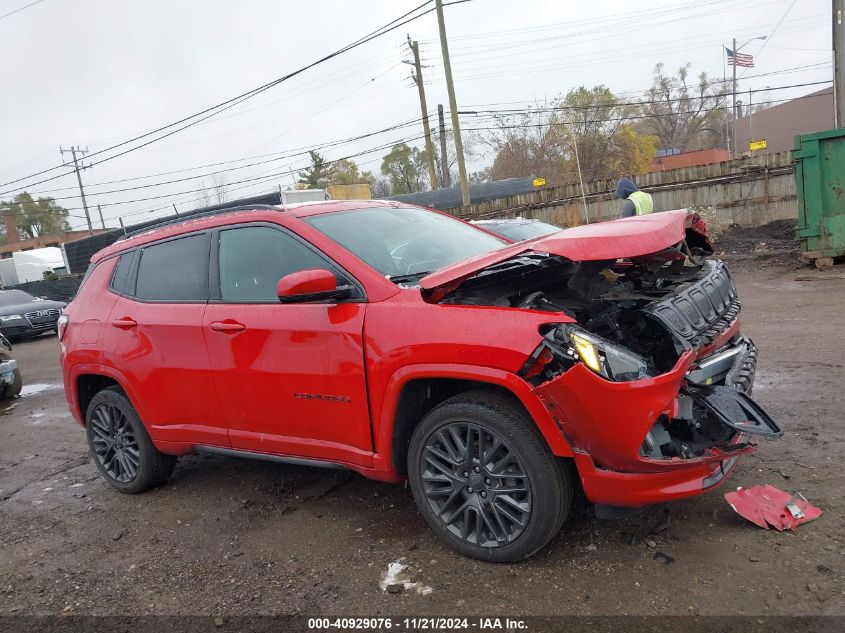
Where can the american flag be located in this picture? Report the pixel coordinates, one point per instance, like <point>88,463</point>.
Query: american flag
<point>740,59</point>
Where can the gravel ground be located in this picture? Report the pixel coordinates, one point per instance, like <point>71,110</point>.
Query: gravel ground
<point>231,537</point>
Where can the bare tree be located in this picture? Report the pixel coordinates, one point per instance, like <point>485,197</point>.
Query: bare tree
<point>524,145</point>
<point>380,188</point>
<point>212,191</point>
<point>682,114</point>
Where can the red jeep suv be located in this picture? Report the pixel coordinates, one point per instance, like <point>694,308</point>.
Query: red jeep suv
<point>400,343</point>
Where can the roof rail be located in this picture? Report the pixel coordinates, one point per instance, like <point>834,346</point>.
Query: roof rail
<point>199,214</point>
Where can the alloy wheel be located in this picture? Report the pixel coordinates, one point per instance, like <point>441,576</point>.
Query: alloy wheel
<point>476,484</point>
<point>114,443</point>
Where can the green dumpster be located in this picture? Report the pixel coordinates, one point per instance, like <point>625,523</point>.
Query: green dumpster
<point>820,185</point>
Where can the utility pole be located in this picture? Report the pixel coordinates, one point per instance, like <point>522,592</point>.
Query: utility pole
<point>750,116</point>
<point>453,105</point>
<point>102,221</point>
<point>445,178</point>
<point>73,151</point>
<point>418,79</point>
<point>839,63</point>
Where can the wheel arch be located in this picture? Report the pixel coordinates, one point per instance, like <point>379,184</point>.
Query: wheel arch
<point>414,390</point>
<point>87,380</point>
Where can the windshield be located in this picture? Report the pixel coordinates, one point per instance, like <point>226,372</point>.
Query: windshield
<point>404,242</point>
<point>518,231</point>
<point>15,297</point>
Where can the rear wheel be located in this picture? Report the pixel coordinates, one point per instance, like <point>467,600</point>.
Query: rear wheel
<point>484,479</point>
<point>13,390</point>
<point>122,449</point>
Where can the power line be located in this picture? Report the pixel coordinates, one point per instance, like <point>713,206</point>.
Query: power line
<point>259,180</point>
<point>26,6</point>
<point>568,63</point>
<point>614,25</point>
<point>614,104</point>
<point>820,66</point>
<point>625,118</point>
<point>193,119</point>
<point>626,18</point>
<point>771,35</point>
<point>274,175</point>
<point>276,157</point>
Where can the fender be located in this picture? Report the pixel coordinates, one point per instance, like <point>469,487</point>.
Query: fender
<point>383,459</point>
<point>72,388</point>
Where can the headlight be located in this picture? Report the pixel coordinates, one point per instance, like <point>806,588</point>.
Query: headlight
<point>10,317</point>
<point>605,358</point>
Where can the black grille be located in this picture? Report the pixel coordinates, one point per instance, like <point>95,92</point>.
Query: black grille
<point>699,312</point>
<point>42,317</point>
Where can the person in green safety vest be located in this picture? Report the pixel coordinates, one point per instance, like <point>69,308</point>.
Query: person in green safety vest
<point>635,202</point>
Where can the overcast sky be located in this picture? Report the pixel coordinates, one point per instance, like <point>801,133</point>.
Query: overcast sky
<point>95,72</point>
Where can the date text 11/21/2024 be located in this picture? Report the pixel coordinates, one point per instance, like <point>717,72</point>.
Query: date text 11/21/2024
<point>418,624</point>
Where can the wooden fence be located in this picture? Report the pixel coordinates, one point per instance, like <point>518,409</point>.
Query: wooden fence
<point>748,192</point>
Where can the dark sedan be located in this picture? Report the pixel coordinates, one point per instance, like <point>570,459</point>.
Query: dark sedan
<point>518,229</point>
<point>23,316</point>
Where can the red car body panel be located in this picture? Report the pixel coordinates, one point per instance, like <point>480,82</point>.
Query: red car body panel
<point>454,343</point>
<point>628,237</point>
<point>317,349</point>
<point>634,490</point>
<point>325,381</point>
<point>579,397</point>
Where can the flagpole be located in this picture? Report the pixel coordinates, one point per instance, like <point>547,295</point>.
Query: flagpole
<point>728,138</point>
<point>733,110</point>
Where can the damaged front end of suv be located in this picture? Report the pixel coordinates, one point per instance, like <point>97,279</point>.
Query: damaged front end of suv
<point>643,366</point>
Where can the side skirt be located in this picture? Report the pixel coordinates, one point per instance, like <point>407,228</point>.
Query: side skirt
<point>281,459</point>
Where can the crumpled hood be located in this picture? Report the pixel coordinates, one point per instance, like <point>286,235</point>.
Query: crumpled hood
<point>627,237</point>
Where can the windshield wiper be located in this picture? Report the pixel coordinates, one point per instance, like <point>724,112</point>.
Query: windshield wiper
<point>403,279</point>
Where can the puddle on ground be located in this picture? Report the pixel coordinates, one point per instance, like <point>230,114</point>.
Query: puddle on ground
<point>39,387</point>
<point>45,415</point>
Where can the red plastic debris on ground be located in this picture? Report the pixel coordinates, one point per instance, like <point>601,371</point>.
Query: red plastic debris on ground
<point>768,506</point>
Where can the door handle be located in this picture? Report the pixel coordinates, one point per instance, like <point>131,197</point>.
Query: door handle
<point>124,323</point>
<point>227,327</point>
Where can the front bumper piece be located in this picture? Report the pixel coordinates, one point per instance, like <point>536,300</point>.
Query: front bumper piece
<point>607,423</point>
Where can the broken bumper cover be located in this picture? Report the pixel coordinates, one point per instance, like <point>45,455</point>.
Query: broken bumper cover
<point>607,422</point>
<point>634,490</point>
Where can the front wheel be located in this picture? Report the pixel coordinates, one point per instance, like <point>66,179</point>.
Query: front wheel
<point>122,449</point>
<point>484,479</point>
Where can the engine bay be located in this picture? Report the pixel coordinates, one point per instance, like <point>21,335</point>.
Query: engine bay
<point>623,301</point>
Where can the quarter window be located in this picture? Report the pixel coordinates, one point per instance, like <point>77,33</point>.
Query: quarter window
<point>176,270</point>
<point>121,273</point>
<point>253,259</point>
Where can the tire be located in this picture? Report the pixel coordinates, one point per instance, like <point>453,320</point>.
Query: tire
<point>462,496</point>
<point>11,391</point>
<point>120,445</point>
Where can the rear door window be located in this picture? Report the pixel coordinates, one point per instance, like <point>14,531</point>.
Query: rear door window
<point>176,270</point>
